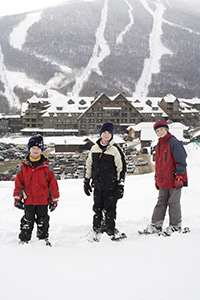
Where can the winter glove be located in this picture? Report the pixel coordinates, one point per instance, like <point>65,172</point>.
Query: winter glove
<point>19,204</point>
<point>87,187</point>
<point>53,204</point>
<point>156,185</point>
<point>178,183</point>
<point>119,192</point>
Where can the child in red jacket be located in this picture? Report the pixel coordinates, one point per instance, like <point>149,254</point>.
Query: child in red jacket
<point>35,189</point>
<point>170,177</point>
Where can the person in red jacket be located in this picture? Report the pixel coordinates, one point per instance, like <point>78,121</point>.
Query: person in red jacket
<point>170,177</point>
<point>35,190</point>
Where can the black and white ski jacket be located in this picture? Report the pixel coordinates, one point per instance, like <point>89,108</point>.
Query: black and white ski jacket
<point>106,166</point>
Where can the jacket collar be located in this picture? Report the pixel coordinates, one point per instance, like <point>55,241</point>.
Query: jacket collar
<point>43,161</point>
<point>165,139</point>
<point>105,147</point>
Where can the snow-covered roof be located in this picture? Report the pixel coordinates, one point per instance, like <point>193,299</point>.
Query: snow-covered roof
<point>3,116</point>
<point>64,104</point>
<point>140,126</point>
<point>47,130</point>
<point>59,103</point>
<point>180,125</point>
<point>35,99</point>
<point>169,98</point>
<point>117,139</point>
<point>192,101</point>
<point>186,108</point>
<point>148,134</point>
<point>197,133</point>
<point>71,140</point>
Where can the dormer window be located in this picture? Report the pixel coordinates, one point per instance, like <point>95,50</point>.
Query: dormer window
<point>71,101</point>
<point>82,102</point>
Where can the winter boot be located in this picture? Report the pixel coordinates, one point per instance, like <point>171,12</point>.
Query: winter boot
<point>151,229</point>
<point>116,235</point>
<point>26,228</point>
<point>42,227</point>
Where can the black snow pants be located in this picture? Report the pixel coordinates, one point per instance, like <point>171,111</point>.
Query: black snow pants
<point>104,208</point>
<point>38,214</point>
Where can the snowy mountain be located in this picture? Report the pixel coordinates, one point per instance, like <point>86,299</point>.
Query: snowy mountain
<point>139,268</point>
<point>140,47</point>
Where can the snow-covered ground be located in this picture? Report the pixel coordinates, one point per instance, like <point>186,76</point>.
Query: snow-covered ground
<point>139,268</point>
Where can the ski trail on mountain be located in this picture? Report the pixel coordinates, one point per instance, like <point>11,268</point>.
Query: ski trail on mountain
<point>120,37</point>
<point>100,51</point>
<point>157,50</point>
<point>168,3</point>
<point>181,27</point>
<point>18,35</point>
<point>146,6</point>
<point>12,99</point>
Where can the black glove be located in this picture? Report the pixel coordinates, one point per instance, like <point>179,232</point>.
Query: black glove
<point>19,204</point>
<point>119,192</point>
<point>87,187</point>
<point>53,205</point>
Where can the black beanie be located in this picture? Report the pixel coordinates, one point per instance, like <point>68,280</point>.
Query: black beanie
<point>107,126</point>
<point>36,140</point>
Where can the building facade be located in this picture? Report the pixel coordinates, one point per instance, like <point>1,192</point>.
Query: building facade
<point>117,110</point>
<point>63,115</point>
<point>10,124</point>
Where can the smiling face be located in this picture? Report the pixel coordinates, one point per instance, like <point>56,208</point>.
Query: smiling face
<point>161,132</point>
<point>106,137</point>
<point>35,152</point>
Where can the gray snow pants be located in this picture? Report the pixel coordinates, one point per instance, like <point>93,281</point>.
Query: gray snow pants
<point>168,198</point>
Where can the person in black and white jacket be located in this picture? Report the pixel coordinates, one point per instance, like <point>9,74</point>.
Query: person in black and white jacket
<point>106,168</point>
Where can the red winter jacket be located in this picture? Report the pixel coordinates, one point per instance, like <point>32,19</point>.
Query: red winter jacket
<point>170,159</point>
<point>37,186</point>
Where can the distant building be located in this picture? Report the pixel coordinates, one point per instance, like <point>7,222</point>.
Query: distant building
<point>32,116</point>
<point>115,109</point>
<point>144,131</point>
<point>10,124</point>
<point>64,115</point>
<point>149,109</point>
<point>170,105</point>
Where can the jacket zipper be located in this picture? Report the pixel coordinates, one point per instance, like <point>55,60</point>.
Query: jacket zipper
<point>165,155</point>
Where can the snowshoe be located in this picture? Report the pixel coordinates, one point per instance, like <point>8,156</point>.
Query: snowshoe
<point>186,230</point>
<point>94,236</point>
<point>44,242</point>
<point>117,236</point>
<point>169,230</point>
<point>47,242</point>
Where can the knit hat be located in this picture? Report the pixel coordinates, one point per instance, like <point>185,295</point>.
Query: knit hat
<point>160,124</point>
<point>36,140</point>
<point>107,126</point>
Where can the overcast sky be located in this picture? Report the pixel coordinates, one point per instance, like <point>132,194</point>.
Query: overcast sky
<point>9,7</point>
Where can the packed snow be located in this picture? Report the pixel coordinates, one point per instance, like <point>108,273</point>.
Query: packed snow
<point>139,267</point>
<point>120,37</point>
<point>157,50</point>
<point>18,35</point>
<point>100,51</point>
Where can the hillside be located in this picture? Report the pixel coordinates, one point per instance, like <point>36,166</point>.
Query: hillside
<point>142,48</point>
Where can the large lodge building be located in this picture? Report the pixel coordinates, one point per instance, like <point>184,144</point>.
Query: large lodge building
<point>63,115</point>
